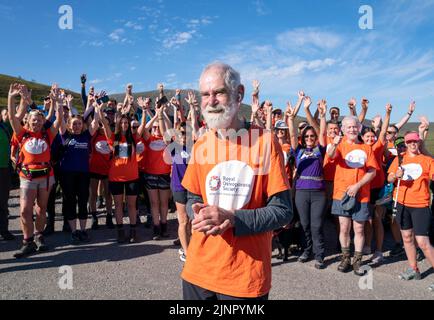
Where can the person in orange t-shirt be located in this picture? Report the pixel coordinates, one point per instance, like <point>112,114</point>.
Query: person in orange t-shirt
<point>124,171</point>
<point>376,222</point>
<point>415,172</point>
<point>355,169</point>
<point>33,164</point>
<point>234,201</point>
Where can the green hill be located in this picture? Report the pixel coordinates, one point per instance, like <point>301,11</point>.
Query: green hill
<point>39,91</point>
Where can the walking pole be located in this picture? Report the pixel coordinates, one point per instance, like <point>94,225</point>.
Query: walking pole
<point>395,210</point>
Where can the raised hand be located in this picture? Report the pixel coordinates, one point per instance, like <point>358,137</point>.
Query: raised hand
<point>352,103</point>
<point>301,95</point>
<point>141,102</point>
<point>322,108</point>
<point>160,87</point>
<point>178,92</point>
<point>129,89</point>
<point>83,78</point>
<point>69,98</point>
<point>365,103</point>
<point>290,111</point>
<point>388,108</point>
<point>15,90</point>
<point>255,85</point>
<point>191,98</point>
<point>376,121</point>
<point>337,139</point>
<point>255,104</point>
<point>55,94</point>
<point>307,102</point>
<point>412,107</point>
<point>268,106</point>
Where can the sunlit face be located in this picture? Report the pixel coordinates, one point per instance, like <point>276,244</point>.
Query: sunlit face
<point>76,126</point>
<point>334,114</point>
<point>124,125</point>
<point>134,126</point>
<point>369,138</point>
<point>310,138</point>
<point>281,133</point>
<point>391,134</point>
<point>277,116</point>
<point>156,131</point>
<point>218,108</point>
<point>182,136</point>
<point>413,146</point>
<point>4,115</point>
<point>35,122</point>
<point>332,130</point>
<point>351,130</point>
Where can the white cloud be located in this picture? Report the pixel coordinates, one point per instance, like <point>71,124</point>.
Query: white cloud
<point>178,39</point>
<point>260,8</point>
<point>133,25</point>
<point>116,35</point>
<point>309,38</point>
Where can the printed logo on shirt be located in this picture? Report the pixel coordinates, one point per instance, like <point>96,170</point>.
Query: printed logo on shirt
<point>393,151</point>
<point>185,154</point>
<point>157,145</point>
<point>102,147</point>
<point>140,148</point>
<point>78,145</point>
<point>229,185</point>
<point>35,146</point>
<point>412,171</point>
<point>123,150</point>
<point>356,159</point>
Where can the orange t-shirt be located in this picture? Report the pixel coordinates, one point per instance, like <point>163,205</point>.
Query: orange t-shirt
<point>378,149</point>
<point>329,164</point>
<point>286,148</point>
<point>34,150</point>
<point>414,188</point>
<point>234,176</point>
<point>154,160</point>
<point>99,162</point>
<point>352,163</point>
<point>122,167</point>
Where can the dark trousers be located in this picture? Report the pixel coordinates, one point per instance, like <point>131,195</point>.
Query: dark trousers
<point>5,186</point>
<point>193,292</point>
<point>51,205</point>
<point>75,187</point>
<point>311,206</point>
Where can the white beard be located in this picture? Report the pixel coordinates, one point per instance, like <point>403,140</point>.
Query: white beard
<point>220,120</point>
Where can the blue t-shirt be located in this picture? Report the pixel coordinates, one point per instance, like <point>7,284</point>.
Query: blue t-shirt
<point>180,159</point>
<point>310,172</point>
<point>76,153</point>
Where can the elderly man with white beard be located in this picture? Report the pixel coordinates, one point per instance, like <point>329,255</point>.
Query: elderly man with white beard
<point>237,195</point>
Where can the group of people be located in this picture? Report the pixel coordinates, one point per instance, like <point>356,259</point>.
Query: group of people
<point>233,181</point>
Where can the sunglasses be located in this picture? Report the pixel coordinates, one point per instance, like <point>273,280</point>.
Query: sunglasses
<point>135,127</point>
<point>301,127</point>
<point>391,132</point>
<point>310,136</point>
<point>411,141</point>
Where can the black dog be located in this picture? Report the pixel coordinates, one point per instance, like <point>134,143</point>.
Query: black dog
<point>288,238</point>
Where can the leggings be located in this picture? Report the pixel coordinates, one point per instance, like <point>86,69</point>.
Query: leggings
<point>311,205</point>
<point>75,187</point>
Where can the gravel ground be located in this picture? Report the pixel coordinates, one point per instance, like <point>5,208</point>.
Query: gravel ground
<point>150,270</point>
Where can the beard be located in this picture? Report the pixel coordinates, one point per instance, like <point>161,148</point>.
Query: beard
<point>220,116</point>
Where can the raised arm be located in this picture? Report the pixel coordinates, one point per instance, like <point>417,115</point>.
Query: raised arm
<point>383,132</point>
<point>93,127</point>
<point>365,105</point>
<point>331,152</point>
<point>309,117</point>
<point>290,116</point>
<point>51,110</point>
<point>14,91</point>
<point>83,90</point>
<point>105,124</point>
<point>352,107</point>
<point>59,124</point>
<point>423,128</point>
<point>269,108</point>
<point>145,104</point>
<point>322,111</point>
<point>407,117</point>
<point>254,118</point>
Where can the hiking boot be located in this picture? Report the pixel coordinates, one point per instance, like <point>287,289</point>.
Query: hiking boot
<point>419,255</point>
<point>109,221</point>
<point>345,264</point>
<point>304,257</point>
<point>133,236</point>
<point>157,233</point>
<point>121,235</point>
<point>26,250</point>
<point>75,237</point>
<point>40,242</point>
<point>357,263</point>
<point>397,250</point>
<point>83,236</point>
<point>7,236</point>
<point>410,274</point>
<point>164,233</point>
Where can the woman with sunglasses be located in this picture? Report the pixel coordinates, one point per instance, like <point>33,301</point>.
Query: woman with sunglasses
<point>415,172</point>
<point>33,163</point>
<point>310,198</point>
<point>378,145</point>
<point>157,172</point>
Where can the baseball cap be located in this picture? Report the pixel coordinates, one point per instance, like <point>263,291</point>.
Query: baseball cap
<point>348,203</point>
<point>412,136</point>
<point>280,125</point>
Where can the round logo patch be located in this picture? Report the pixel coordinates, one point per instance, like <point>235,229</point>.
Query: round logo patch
<point>102,147</point>
<point>140,148</point>
<point>157,145</point>
<point>229,185</point>
<point>412,171</point>
<point>123,150</point>
<point>356,159</point>
<point>35,146</point>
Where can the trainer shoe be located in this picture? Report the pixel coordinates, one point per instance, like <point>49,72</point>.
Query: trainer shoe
<point>157,233</point>
<point>83,236</point>
<point>183,257</point>
<point>410,274</point>
<point>377,258</point>
<point>26,250</point>
<point>419,255</point>
<point>319,264</point>
<point>304,257</point>
<point>40,242</point>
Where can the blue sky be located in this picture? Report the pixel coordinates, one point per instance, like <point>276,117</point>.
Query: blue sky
<point>312,45</point>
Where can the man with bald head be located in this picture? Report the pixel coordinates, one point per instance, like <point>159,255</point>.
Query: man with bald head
<point>237,195</point>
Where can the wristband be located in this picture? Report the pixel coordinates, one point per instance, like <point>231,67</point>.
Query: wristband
<point>410,113</point>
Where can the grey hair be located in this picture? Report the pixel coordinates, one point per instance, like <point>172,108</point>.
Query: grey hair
<point>351,118</point>
<point>232,77</point>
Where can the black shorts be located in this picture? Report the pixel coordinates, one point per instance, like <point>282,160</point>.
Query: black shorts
<point>375,195</point>
<point>97,176</point>
<point>130,188</point>
<point>180,197</point>
<point>157,181</point>
<point>418,219</point>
